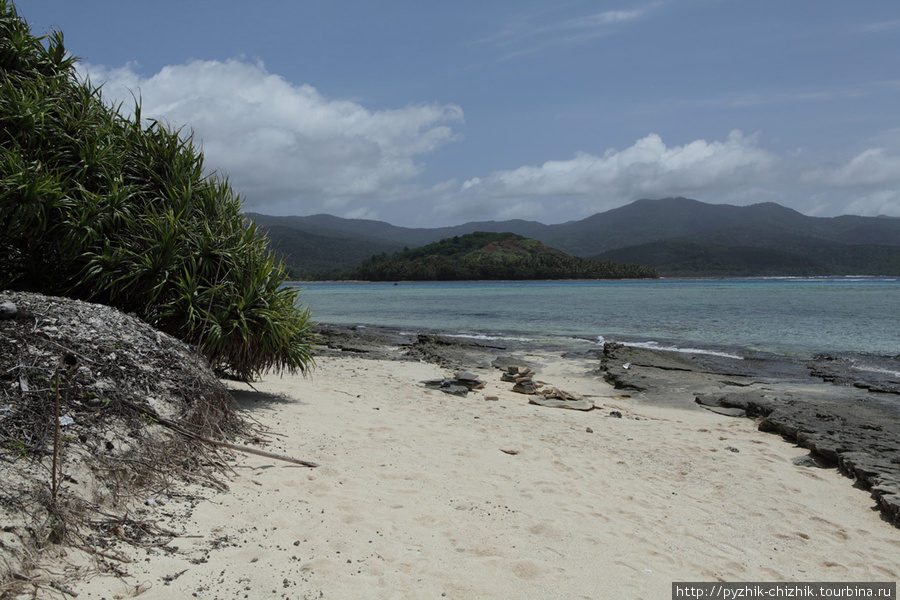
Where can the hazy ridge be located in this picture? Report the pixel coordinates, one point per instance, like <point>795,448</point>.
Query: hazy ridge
<point>677,236</point>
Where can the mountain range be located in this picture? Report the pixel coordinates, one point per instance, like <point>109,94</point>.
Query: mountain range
<point>677,236</point>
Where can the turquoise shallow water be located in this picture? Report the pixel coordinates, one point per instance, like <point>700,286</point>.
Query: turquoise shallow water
<point>790,317</point>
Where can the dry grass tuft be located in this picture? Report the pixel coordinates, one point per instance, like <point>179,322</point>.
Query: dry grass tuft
<point>112,452</point>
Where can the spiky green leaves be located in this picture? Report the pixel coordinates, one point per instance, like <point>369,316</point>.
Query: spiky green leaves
<point>102,207</point>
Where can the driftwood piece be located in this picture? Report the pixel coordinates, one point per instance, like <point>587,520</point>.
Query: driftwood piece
<point>246,449</point>
<point>249,450</point>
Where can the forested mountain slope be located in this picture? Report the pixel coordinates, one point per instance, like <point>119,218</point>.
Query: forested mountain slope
<point>678,236</point>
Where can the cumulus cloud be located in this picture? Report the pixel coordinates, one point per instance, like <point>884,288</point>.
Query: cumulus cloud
<point>733,171</point>
<point>289,149</point>
<point>868,184</point>
<point>282,142</point>
<point>649,168</point>
<point>873,167</point>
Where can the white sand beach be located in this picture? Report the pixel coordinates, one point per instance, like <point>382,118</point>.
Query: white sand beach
<point>421,494</point>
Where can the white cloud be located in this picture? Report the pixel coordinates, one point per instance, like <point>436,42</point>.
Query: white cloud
<point>880,202</point>
<point>868,184</point>
<point>278,141</point>
<point>873,167</point>
<point>288,149</point>
<point>733,171</point>
<point>536,30</point>
<point>648,168</point>
<point>616,16</point>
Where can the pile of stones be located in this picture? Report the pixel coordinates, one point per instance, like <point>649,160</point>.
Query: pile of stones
<point>523,378</point>
<point>458,385</point>
<point>462,382</point>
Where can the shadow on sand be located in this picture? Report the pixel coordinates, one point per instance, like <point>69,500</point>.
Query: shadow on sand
<point>251,399</point>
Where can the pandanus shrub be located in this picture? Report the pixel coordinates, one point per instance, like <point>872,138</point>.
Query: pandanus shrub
<point>120,210</point>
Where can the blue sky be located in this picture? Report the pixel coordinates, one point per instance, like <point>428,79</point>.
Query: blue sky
<point>434,113</point>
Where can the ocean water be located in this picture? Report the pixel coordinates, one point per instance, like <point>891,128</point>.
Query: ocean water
<point>792,317</point>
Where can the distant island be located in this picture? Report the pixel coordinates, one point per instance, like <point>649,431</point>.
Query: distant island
<point>678,237</point>
<point>490,256</point>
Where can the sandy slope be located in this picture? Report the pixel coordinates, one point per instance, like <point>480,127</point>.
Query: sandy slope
<point>415,498</point>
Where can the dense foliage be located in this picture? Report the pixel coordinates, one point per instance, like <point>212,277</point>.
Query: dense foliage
<point>111,209</point>
<point>482,255</point>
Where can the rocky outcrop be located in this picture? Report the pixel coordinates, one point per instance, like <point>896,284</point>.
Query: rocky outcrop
<point>451,353</point>
<point>366,342</point>
<point>881,378</point>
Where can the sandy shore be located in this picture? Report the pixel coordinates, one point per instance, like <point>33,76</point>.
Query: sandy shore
<point>421,494</point>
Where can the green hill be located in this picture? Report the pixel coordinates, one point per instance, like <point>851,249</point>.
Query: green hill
<point>485,255</point>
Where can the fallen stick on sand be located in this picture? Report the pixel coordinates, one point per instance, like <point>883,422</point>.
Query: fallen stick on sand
<point>178,428</point>
<point>249,450</point>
